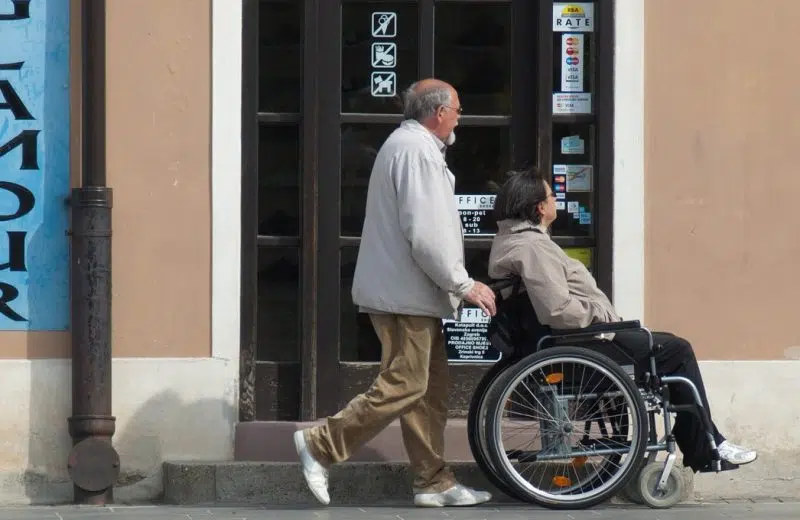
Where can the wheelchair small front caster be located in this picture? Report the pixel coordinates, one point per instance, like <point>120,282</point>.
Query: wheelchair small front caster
<point>648,482</point>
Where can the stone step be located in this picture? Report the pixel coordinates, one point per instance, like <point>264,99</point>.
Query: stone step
<point>282,484</point>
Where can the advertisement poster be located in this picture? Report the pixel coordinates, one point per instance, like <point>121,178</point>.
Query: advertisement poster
<point>34,161</point>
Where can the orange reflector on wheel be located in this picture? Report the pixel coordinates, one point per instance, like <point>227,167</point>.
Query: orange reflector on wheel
<point>554,378</point>
<point>579,462</point>
<point>561,481</point>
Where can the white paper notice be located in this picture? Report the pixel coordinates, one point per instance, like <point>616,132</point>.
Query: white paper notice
<point>573,17</point>
<point>572,103</point>
<point>573,145</point>
<point>572,60</point>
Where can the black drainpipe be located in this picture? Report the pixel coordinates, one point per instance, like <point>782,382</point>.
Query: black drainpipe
<point>93,462</point>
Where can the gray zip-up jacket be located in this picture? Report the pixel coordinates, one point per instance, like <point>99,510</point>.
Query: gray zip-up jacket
<point>411,258</point>
<point>562,291</point>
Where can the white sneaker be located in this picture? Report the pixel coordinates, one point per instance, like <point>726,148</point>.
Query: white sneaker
<point>736,454</point>
<point>315,473</point>
<point>457,495</point>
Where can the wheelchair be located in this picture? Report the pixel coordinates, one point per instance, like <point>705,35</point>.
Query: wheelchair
<point>596,419</point>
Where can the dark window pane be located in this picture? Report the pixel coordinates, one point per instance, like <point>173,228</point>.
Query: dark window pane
<point>358,339</point>
<point>279,180</point>
<point>280,56</point>
<point>574,178</point>
<point>473,52</point>
<point>479,159</point>
<point>360,145</point>
<point>278,304</point>
<point>379,55</point>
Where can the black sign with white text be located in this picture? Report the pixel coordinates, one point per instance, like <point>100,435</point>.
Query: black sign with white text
<point>476,214</point>
<point>467,340</point>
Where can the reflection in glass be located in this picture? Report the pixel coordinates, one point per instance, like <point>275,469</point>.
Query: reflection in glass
<point>480,158</point>
<point>360,145</point>
<point>477,263</point>
<point>379,55</point>
<point>279,180</point>
<point>280,56</point>
<point>472,45</point>
<point>358,341</point>
<point>278,304</point>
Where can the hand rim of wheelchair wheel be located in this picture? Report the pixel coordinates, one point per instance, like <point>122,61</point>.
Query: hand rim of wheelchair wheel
<point>602,365</point>
<point>648,480</point>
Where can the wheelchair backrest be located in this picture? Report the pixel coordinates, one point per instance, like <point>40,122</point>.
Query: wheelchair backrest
<point>514,330</point>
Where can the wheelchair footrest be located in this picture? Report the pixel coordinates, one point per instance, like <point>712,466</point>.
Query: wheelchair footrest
<point>724,466</point>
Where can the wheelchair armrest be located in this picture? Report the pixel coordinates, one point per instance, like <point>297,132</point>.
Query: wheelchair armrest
<point>499,284</point>
<point>598,328</point>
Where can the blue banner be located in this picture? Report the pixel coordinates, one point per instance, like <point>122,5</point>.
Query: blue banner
<point>34,164</point>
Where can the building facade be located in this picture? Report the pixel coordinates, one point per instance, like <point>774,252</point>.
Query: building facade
<point>239,137</point>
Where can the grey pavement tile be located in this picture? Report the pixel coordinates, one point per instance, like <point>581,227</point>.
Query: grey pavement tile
<point>719,511</point>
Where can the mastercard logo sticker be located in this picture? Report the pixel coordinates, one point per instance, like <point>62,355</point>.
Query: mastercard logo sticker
<point>573,52</point>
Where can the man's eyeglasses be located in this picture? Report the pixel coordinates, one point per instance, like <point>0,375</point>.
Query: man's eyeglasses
<point>459,109</point>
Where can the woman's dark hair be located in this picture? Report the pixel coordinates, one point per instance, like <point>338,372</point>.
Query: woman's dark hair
<point>519,195</point>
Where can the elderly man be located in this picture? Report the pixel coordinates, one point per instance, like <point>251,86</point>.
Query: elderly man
<point>409,275</point>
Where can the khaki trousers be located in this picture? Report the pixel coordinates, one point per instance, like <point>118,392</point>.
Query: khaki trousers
<point>412,385</point>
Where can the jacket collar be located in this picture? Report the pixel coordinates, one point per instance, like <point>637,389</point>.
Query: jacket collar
<point>509,226</point>
<point>416,127</point>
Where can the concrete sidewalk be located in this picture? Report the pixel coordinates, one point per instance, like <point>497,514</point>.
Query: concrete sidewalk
<point>741,511</point>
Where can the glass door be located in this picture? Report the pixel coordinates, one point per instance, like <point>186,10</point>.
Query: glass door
<point>488,51</point>
<point>322,91</point>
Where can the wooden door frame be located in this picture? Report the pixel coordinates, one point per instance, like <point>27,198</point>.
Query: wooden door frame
<point>313,388</point>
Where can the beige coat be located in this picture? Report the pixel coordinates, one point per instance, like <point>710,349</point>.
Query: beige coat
<point>563,292</point>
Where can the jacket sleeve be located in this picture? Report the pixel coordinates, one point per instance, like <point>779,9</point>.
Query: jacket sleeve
<point>425,206</point>
<point>542,270</point>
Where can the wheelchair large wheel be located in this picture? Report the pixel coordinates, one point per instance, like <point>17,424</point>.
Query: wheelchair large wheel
<point>476,427</point>
<point>565,391</point>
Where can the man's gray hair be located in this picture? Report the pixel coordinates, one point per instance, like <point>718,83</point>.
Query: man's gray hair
<point>422,105</point>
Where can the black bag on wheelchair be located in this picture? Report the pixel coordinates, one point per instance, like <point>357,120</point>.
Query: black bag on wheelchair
<point>514,329</point>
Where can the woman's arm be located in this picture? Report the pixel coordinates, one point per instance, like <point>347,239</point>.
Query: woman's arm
<point>543,272</point>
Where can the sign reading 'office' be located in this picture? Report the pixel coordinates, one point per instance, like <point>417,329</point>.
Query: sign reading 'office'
<point>467,339</point>
<point>34,164</point>
<point>476,214</point>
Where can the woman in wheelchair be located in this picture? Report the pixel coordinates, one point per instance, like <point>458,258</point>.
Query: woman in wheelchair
<point>564,295</point>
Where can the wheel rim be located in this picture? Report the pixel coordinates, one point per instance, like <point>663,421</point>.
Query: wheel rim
<point>562,488</point>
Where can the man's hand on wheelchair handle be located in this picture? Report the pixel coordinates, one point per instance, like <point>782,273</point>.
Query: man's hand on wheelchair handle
<point>482,296</point>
